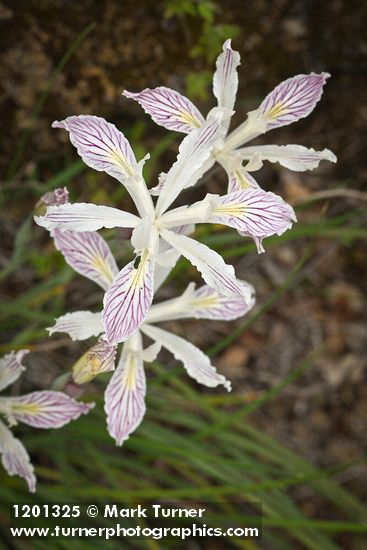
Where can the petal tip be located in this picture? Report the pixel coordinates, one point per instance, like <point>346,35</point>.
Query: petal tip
<point>228,386</point>
<point>330,156</point>
<point>323,76</point>
<point>58,124</point>
<point>22,353</point>
<point>39,220</point>
<point>119,441</point>
<point>88,407</point>
<point>31,481</point>
<point>128,94</point>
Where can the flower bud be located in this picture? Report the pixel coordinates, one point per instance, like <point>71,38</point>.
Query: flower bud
<point>99,358</point>
<point>52,198</point>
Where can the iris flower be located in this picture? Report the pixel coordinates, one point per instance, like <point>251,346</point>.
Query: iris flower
<point>40,409</point>
<point>157,232</point>
<point>291,100</point>
<point>89,254</point>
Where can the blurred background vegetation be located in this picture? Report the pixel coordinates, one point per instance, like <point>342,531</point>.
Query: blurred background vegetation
<point>291,435</point>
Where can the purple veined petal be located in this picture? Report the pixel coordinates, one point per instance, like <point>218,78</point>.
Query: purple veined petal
<point>293,157</point>
<point>101,145</point>
<point>203,303</point>
<point>88,254</point>
<point>46,409</point>
<point>79,325</point>
<point>211,265</point>
<point>11,367</point>
<point>15,458</point>
<point>196,363</point>
<point>225,80</point>
<point>125,393</point>
<point>207,303</point>
<point>254,213</point>
<point>81,216</point>
<point>98,359</point>
<point>56,197</point>
<point>168,108</point>
<point>127,301</point>
<point>194,152</point>
<point>292,99</point>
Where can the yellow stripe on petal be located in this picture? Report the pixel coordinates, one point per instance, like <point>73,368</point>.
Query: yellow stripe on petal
<point>168,108</point>
<point>26,408</point>
<point>130,372</point>
<point>276,111</point>
<point>242,181</point>
<point>125,393</point>
<point>128,299</point>
<point>103,268</point>
<point>189,118</point>
<point>206,302</point>
<point>120,160</point>
<point>138,274</point>
<point>231,209</point>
